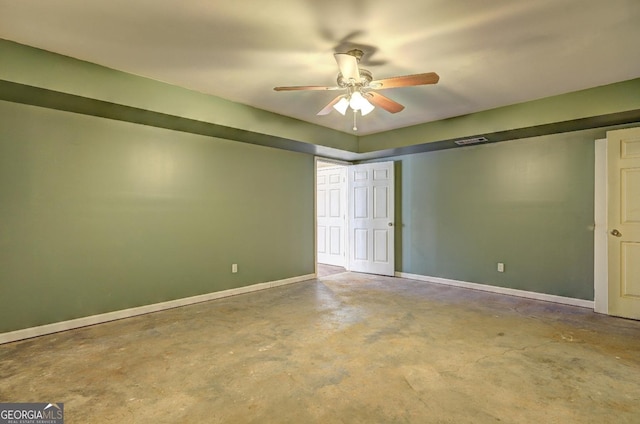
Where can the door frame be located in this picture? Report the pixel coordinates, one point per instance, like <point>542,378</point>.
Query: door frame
<point>600,231</point>
<point>315,211</point>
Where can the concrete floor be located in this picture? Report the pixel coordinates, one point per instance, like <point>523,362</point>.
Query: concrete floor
<point>347,348</point>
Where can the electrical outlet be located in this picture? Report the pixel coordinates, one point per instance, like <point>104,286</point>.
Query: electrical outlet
<point>234,268</point>
<point>500,267</point>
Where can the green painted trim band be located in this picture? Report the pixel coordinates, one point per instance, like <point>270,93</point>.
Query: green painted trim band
<point>35,96</point>
<point>42,97</point>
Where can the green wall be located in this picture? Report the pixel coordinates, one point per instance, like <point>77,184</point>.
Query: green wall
<point>39,68</point>
<point>610,104</point>
<point>98,215</point>
<point>526,203</point>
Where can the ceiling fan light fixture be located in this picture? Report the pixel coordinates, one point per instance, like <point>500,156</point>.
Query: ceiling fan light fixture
<point>366,107</point>
<point>356,101</point>
<point>342,105</point>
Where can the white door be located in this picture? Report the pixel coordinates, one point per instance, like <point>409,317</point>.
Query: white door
<point>371,218</point>
<point>623,157</point>
<point>331,207</point>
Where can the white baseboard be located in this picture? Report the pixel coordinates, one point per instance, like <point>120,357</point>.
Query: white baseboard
<point>500,290</point>
<point>56,327</point>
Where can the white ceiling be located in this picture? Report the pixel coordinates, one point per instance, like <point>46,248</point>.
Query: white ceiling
<point>488,53</point>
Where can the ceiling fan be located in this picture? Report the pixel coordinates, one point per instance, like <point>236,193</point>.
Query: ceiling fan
<point>359,87</point>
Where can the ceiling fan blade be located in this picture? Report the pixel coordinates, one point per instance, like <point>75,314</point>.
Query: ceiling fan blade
<point>383,102</point>
<point>348,65</point>
<point>306,87</point>
<point>405,81</point>
<point>329,107</point>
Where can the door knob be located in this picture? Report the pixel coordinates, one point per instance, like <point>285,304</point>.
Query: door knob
<point>616,233</point>
<point>391,224</point>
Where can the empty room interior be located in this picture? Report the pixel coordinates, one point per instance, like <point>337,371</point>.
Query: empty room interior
<point>323,212</point>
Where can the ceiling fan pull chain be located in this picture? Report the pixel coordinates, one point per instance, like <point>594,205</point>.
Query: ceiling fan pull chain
<point>355,113</point>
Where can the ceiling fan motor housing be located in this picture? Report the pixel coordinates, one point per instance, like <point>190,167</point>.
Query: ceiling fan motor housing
<point>365,78</point>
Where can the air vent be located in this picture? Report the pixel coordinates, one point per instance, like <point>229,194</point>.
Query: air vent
<point>468,141</point>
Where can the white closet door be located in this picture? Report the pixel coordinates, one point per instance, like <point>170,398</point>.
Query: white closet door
<point>371,218</point>
<point>623,158</point>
